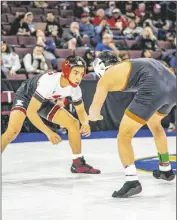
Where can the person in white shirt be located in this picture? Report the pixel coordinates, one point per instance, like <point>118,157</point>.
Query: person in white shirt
<point>35,99</point>
<point>35,62</point>
<point>10,62</point>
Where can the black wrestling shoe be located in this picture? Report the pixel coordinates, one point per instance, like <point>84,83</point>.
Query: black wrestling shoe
<point>164,175</point>
<point>129,188</point>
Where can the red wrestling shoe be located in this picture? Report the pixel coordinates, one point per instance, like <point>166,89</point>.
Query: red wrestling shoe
<point>79,166</point>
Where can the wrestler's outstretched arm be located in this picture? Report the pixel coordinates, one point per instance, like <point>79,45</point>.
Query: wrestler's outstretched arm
<point>98,101</point>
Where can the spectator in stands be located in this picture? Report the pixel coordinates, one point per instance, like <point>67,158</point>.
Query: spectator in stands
<point>129,13</point>
<point>53,28</point>
<point>146,53</point>
<point>111,6</point>
<point>35,62</point>
<point>72,39</point>
<point>79,9</point>
<point>40,4</point>
<point>89,57</point>
<point>101,29</point>
<point>20,26</point>
<point>117,20</point>
<point>86,28</point>
<point>132,31</point>
<point>140,12</point>
<point>106,44</point>
<point>29,20</point>
<point>100,15</point>
<point>49,47</point>
<point>10,62</point>
<point>146,41</point>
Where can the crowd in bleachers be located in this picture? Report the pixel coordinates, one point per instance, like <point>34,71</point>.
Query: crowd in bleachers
<point>37,36</point>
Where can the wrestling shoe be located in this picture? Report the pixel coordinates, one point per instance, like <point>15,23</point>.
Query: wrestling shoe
<point>164,175</point>
<point>129,188</point>
<point>79,166</point>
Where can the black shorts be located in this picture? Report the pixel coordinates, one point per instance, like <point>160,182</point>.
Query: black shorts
<point>152,98</point>
<point>47,110</point>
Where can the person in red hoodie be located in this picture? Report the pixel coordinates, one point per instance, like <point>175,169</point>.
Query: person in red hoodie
<point>100,15</point>
<point>116,19</point>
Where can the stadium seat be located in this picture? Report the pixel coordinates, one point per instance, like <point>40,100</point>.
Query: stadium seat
<point>134,53</point>
<point>54,11</point>
<point>17,9</point>
<point>10,18</point>
<point>80,51</point>
<point>156,54</point>
<point>5,9</point>
<point>164,44</point>
<point>59,63</point>
<point>52,4</point>
<point>66,13</point>
<point>64,21</point>
<point>11,40</point>
<point>130,43</point>
<point>37,18</point>
<point>121,44</point>
<point>6,28</point>
<point>17,77</point>
<point>63,53</point>
<point>35,11</point>
<point>23,51</point>
<point>3,18</point>
<point>27,40</point>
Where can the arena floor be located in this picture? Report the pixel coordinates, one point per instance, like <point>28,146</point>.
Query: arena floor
<point>38,185</point>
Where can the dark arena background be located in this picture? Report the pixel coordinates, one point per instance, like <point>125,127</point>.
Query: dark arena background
<point>36,37</point>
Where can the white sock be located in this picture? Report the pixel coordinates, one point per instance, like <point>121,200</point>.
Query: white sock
<point>130,173</point>
<point>165,167</point>
<point>75,156</point>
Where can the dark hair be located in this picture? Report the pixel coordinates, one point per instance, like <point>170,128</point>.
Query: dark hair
<point>8,49</point>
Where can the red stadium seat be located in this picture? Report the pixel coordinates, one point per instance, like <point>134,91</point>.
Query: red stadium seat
<point>17,77</point>
<point>17,9</point>
<point>27,40</point>
<point>23,51</point>
<point>80,51</point>
<point>63,53</point>
<point>134,53</point>
<point>11,40</point>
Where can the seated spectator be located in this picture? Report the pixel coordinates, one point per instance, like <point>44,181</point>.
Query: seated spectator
<point>53,28</point>
<point>132,31</point>
<point>117,20</point>
<point>49,48</point>
<point>146,54</point>
<point>111,6</point>
<point>40,4</point>
<point>164,33</point>
<point>100,15</point>
<point>29,20</point>
<point>146,41</point>
<point>101,29</point>
<point>79,9</point>
<point>141,11</point>
<point>129,13</point>
<point>20,26</point>
<point>72,39</point>
<point>86,28</point>
<point>10,62</point>
<point>106,44</point>
<point>89,57</point>
<point>35,62</point>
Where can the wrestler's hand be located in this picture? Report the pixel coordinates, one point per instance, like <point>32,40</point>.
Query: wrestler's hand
<point>85,130</point>
<point>53,137</point>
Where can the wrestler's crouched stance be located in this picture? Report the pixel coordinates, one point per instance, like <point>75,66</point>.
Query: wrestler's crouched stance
<point>39,104</point>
